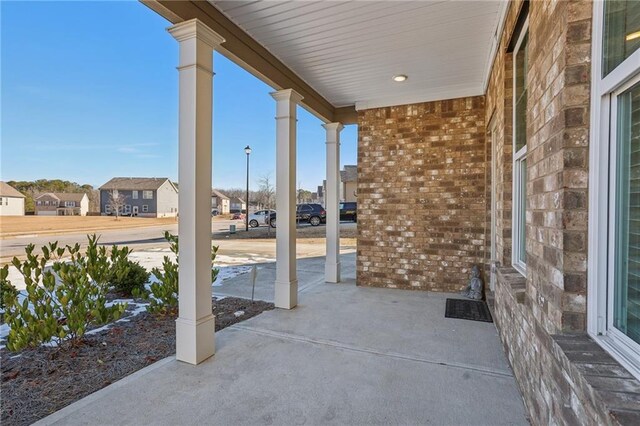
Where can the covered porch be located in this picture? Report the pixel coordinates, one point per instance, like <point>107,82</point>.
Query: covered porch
<point>344,71</point>
<point>345,355</point>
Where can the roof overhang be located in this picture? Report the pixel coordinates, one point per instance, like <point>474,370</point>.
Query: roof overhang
<point>341,56</point>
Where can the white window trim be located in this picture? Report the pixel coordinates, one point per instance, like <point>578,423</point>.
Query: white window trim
<point>134,195</point>
<point>145,193</point>
<point>145,208</point>
<point>494,198</point>
<point>599,284</point>
<point>517,158</point>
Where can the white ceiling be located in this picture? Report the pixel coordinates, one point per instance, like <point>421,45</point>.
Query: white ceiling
<point>348,51</point>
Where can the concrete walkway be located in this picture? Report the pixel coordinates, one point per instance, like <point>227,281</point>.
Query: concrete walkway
<point>345,355</point>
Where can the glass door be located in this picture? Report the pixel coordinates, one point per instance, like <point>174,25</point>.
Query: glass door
<point>625,293</point>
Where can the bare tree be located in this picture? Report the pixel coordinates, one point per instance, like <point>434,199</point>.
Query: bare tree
<point>235,193</point>
<point>116,202</point>
<point>266,192</point>
<point>304,196</point>
<point>94,200</point>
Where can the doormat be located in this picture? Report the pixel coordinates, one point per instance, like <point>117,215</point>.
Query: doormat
<point>474,310</point>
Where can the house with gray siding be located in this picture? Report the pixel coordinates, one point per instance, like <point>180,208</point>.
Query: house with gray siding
<point>145,197</point>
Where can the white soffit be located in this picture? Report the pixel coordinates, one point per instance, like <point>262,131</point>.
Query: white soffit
<point>348,51</point>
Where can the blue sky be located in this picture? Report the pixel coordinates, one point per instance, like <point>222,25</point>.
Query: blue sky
<point>89,91</point>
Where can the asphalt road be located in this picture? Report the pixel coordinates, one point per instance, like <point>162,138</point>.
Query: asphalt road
<point>134,238</point>
<point>138,238</point>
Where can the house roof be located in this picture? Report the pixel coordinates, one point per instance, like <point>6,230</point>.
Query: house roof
<point>64,196</point>
<point>7,190</point>
<point>135,183</point>
<point>349,174</point>
<point>237,200</point>
<point>216,193</point>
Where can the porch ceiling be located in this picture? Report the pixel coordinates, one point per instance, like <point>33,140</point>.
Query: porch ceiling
<point>348,51</point>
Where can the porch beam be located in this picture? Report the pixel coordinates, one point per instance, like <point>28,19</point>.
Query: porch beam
<point>286,286</point>
<point>332,200</point>
<point>195,325</point>
<point>252,56</point>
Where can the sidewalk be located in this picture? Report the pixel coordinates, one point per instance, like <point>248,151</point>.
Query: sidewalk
<point>345,355</point>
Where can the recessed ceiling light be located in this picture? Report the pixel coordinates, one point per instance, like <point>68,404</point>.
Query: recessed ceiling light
<point>633,36</point>
<point>399,78</point>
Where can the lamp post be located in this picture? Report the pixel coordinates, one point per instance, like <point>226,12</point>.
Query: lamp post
<point>247,150</point>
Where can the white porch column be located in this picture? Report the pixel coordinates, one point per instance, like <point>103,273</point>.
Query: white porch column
<point>286,296</point>
<point>332,200</point>
<point>195,323</point>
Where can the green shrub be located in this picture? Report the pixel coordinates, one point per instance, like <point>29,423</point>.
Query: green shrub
<point>62,301</point>
<point>163,294</point>
<point>7,290</point>
<point>125,275</point>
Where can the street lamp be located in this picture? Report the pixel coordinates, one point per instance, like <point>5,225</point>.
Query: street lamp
<point>247,150</point>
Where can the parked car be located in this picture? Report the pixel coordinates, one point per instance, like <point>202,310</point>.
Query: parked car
<point>237,216</point>
<point>349,211</point>
<point>214,212</point>
<point>259,217</point>
<point>310,213</point>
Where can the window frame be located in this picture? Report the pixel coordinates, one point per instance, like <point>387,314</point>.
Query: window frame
<point>145,193</point>
<point>601,219</point>
<point>518,157</point>
<point>145,208</point>
<point>134,195</point>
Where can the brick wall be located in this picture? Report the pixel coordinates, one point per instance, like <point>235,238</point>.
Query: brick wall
<point>421,194</point>
<point>558,130</point>
<point>534,313</point>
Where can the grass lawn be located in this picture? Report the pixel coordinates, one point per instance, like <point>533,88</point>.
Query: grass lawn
<point>11,226</point>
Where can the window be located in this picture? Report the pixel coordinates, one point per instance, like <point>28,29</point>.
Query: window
<point>145,208</point>
<point>626,273</point>
<point>69,204</point>
<point>147,195</point>
<point>613,310</point>
<point>520,68</point>
<point>621,32</point>
<point>38,203</point>
<point>107,209</point>
<point>134,195</point>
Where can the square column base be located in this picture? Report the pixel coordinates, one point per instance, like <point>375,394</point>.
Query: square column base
<point>332,272</point>
<point>195,340</point>
<point>286,296</point>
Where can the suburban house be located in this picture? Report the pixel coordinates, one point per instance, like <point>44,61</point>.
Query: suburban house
<point>11,201</point>
<point>61,204</point>
<point>136,196</point>
<point>349,180</point>
<point>236,205</point>
<point>219,201</point>
<point>503,135</point>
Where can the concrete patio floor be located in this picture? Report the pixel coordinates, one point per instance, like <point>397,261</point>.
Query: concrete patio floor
<point>345,355</point>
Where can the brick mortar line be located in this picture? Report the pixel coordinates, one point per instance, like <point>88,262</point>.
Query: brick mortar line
<point>395,355</point>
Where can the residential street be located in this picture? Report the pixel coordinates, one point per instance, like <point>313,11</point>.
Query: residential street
<point>152,237</point>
